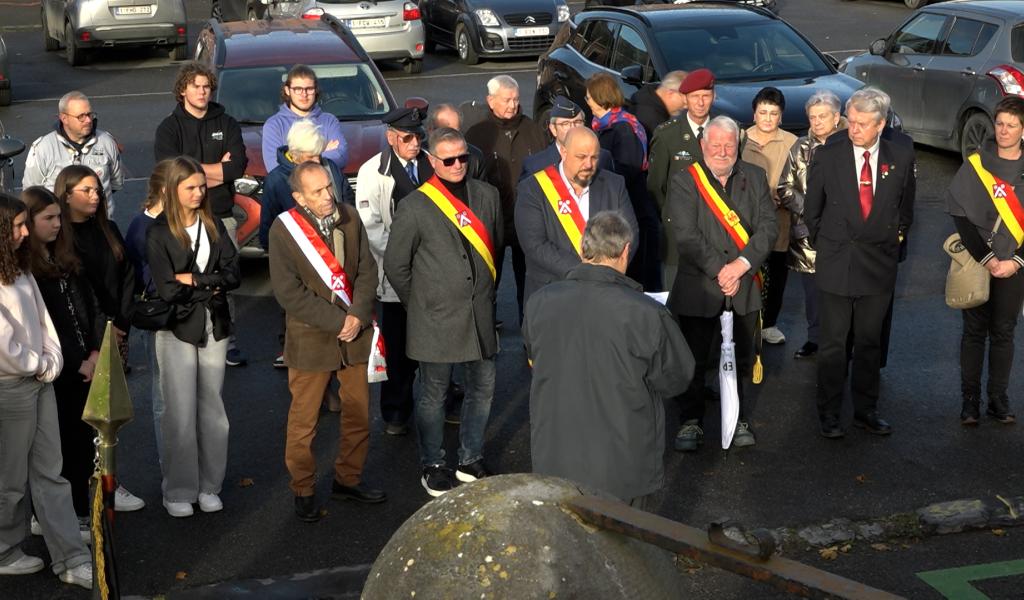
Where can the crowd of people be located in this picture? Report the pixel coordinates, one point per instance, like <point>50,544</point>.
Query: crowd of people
<point>654,194</point>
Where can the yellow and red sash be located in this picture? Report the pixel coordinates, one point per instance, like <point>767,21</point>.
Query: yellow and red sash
<point>465,221</point>
<point>568,212</point>
<point>318,254</point>
<point>726,216</point>
<point>1003,196</point>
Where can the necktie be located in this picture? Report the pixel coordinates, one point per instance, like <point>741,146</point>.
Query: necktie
<point>866,193</point>
<point>700,131</point>
<point>410,168</point>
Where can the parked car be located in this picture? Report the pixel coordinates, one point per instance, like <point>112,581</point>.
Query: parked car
<point>946,67</point>
<point>5,74</point>
<point>485,28</point>
<point>82,25</point>
<point>387,29</point>
<point>746,47</point>
<point>9,148</point>
<point>251,60</point>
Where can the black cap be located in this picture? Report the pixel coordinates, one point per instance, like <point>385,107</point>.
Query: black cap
<point>564,108</point>
<point>405,119</point>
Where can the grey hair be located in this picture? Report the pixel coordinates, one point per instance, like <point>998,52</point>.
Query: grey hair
<point>605,236</point>
<point>825,97</point>
<point>498,82</point>
<point>304,136</point>
<point>437,109</point>
<point>672,80</point>
<point>870,100</point>
<point>726,123</point>
<point>443,135</point>
<point>62,104</point>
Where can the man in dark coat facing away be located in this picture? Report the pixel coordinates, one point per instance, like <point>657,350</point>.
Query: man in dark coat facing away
<point>604,356</point>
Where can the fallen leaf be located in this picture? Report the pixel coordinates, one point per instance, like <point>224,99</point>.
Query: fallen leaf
<point>999,532</point>
<point>180,575</point>
<point>830,553</point>
<point>862,478</point>
<point>845,548</point>
<point>881,547</point>
<point>246,482</point>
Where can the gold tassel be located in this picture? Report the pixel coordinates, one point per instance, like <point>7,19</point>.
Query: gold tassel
<point>100,573</point>
<point>758,375</point>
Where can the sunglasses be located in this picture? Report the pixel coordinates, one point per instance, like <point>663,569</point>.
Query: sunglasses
<point>407,138</point>
<point>462,158</point>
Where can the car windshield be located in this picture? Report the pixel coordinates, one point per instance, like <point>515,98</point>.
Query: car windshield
<point>349,91</point>
<point>750,52</point>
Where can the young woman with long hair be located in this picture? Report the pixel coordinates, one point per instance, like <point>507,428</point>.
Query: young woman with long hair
<point>30,460</point>
<point>193,263</point>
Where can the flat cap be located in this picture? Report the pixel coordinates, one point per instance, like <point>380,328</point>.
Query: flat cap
<point>405,119</point>
<point>564,108</point>
<point>701,79</point>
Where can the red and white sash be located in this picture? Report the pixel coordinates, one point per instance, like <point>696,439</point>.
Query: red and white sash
<point>318,254</point>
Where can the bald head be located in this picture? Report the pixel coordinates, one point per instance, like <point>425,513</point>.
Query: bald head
<point>579,157</point>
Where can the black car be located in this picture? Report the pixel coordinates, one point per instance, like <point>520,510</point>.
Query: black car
<point>771,5</point>
<point>946,68</point>
<point>746,47</point>
<point>480,28</point>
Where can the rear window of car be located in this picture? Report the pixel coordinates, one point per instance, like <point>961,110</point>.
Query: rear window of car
<point>348,91</point>
<point>967,37</point>
<point>1017,43</point>
<point>750,52</point>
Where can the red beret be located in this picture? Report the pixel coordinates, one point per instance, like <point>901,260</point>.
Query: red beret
<point>701,79</point>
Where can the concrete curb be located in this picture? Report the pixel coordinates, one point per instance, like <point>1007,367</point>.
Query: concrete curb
<point>340,583</point>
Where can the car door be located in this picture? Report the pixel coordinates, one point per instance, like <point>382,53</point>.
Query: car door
<point>953,73</point>
<point>447,13</point>
<point>901,72</point>
<point>630,49</point>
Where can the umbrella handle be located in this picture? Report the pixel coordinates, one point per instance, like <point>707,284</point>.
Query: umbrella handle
<point>728,303</point>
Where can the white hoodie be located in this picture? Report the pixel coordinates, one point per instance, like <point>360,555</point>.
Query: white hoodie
<point>29,346</point>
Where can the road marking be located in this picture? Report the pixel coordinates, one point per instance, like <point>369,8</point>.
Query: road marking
<point>97,97</point>
<point>955,584</point>
<point>418,77</point>
<point>19,27</point>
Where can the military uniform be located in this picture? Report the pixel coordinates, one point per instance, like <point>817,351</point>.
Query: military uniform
<point>674,148</point>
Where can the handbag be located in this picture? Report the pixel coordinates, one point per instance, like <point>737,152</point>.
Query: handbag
<point>153,313</point>
<point>967,282</point>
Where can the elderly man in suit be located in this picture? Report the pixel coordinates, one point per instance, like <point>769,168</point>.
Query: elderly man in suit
<point>325,278</point>
<point>859,204</point>
<point>554,204</point>
<point>724,220</point>
<point>440,261</point>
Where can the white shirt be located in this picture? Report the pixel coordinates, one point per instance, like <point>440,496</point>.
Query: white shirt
<point>582,200</point>
<point>694,126</point>
<point>858,157</point>
<point>203,256</point>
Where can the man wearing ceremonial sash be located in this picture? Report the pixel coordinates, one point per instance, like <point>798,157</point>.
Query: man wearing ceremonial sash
<point>723,219</point>
<point>325,278</point>
<point>554,204</point>
<point>441,262</point>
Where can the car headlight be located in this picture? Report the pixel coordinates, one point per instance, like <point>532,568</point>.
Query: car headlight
<point>563,13</point>
<point>486,17</point>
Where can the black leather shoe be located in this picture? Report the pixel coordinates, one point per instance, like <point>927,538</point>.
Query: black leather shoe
<point>359,493</point>
<point>830,428</point>
<point>999,409</point>
<point>970,410</point>
<point>806,351</point>
<point>306,509</point>
<point>872,423</point>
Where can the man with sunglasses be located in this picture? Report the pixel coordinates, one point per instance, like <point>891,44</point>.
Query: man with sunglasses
<point>299,95</point>
<point>384,180</point>
<point>441,261</point>
<point>75,140</point>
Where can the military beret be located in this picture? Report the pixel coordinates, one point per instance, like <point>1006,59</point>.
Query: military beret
<point>701,79</point>
<point>564,108</point>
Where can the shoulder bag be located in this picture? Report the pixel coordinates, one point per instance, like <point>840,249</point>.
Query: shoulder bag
<point>967,282</point>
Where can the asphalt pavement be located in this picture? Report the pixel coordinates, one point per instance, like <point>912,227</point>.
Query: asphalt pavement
<point>792,477</point>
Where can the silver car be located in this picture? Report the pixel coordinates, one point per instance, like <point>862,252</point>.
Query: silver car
<point>82,25</point>
<point>386,29</point>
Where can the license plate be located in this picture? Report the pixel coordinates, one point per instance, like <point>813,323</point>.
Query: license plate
<point>366,23</point>
<point>529,31</point>
<point>133,10</point>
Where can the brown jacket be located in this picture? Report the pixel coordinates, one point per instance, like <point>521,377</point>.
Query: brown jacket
<point>772,158</point>
<point>314,316</point>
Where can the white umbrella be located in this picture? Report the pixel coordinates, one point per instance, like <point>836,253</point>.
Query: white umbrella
<point>727,383</point>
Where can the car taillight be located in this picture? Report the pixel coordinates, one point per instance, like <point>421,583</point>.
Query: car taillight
<point>1011,81</point>
<point>181,31</point>
<point>313,13</point>
<point>410,12</point>
<point>85,36</point>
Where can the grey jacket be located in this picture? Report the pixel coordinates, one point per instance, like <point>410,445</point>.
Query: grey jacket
<point>50,153</point>
<point>447,291</point>
<point>604,358</point>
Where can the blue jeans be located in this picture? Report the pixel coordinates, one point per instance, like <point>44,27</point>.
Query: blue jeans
<point>476,408</point>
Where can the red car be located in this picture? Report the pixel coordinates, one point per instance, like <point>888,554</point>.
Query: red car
<point>251,59</point>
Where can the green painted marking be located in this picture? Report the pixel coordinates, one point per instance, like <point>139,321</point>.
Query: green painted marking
<point>955,584</point>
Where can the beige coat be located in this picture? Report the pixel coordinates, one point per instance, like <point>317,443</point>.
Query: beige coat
<point>772,158</point>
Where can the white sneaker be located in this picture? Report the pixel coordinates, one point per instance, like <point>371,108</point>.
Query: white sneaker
<point>35,527</point>
<point>80,576</point>
<point>23,566</point>
<point>85,529</point>
<point>772,335</point>
<point>178,509</point>
<point>125,501</point>
<point>210,503</point>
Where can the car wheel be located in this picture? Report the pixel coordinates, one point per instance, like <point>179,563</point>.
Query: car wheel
<point>464,46</point>
<point>179,52</point>
<point>75,55</point>
<point>413,66</point>
<point>977,128</point>
<point>5,97</point>
<point>48,42</point>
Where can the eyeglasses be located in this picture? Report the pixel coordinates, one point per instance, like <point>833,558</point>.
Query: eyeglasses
<point>407,138</point>
<point>91,116</point>
<point>88,191</point>
<point>462,158</point>
<point>569,124</point>
<point>305,91</point>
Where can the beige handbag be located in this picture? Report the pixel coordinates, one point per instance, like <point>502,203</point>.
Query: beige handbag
<point>967,283</point>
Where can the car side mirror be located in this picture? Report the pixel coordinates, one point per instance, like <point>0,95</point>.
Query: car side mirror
<point>877,47</point>
<point>416,102</point>
<point>10,147</point>
<point>633,75</point>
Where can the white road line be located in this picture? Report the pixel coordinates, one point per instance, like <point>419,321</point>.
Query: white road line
<point>489,72</point>
<point>103,96</point>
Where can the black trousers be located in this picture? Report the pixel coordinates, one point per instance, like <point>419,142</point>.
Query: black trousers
<point>700,334</point>
<point>645,268</point>
<point>396,400</point>
<point>76,436</point>
<point>778,273</point>
<point>994,321</point>
<point>865,315</point>
<point>518,269</point>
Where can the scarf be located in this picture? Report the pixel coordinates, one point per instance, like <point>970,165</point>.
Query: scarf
<point>617,115</point>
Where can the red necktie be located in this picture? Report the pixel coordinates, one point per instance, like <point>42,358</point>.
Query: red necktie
<point>866,193</point>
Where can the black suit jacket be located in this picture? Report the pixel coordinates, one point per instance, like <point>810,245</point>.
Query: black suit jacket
<point>549,253</point>
<point>858,257</point>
